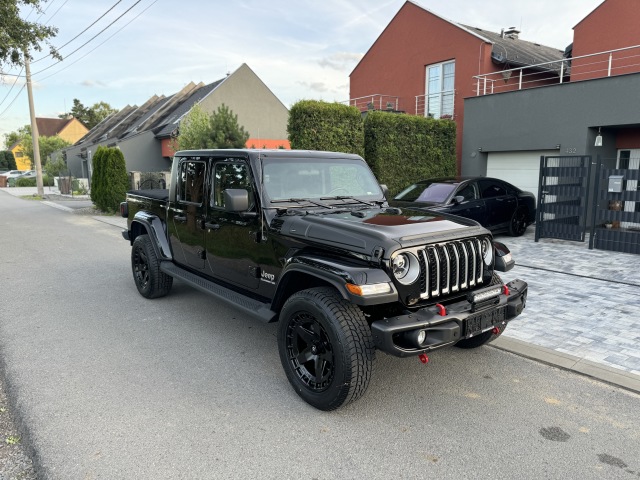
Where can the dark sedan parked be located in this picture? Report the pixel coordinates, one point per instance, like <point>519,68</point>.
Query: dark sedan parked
<point>495,204</point>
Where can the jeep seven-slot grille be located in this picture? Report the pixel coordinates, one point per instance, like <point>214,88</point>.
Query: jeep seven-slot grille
<point>450,267</point>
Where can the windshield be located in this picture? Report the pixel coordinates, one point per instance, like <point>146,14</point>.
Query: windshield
<point>427,192</point>
<point>319,178</point>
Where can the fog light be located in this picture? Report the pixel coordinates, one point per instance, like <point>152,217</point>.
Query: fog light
<point>416,337</point>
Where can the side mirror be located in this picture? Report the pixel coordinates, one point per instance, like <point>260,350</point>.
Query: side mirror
<point>385,190</point>
<point>504,260</point>
<point>236,200</point>
<point>458,199</point>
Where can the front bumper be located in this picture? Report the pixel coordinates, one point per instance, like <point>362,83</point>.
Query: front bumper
<point>446,326</point>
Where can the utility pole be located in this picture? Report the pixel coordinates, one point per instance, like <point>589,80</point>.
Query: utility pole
<point>34,128</point>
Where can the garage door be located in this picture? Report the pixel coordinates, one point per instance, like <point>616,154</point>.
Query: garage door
<point>521,169</point>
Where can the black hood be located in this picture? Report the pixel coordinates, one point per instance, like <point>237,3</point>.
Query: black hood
<point>364,230</point>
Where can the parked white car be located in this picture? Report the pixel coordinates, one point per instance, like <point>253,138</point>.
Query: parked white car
<point>13,173</point>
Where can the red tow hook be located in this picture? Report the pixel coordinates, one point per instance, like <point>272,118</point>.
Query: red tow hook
<point>495,330</point>
<point>505,290</point>
<point>423,358</point>
<point>441,310</point>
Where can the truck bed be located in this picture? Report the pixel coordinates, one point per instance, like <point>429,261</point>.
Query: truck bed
<point>155,194</point>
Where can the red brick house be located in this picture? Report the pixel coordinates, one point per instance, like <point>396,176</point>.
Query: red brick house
<point>424,64</point>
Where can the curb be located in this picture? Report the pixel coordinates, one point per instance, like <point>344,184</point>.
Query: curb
<point>627,380</point>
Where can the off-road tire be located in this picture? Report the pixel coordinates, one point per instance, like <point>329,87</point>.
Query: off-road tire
<point>149,279</point>
<point>326,348</point>
<point>518,222</point>
<point>485,337</point>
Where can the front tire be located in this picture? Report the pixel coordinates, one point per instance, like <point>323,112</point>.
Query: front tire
<point>325,347</point>
<point>149,279</point>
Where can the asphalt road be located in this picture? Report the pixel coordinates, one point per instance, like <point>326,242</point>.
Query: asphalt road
<point>109,385</point>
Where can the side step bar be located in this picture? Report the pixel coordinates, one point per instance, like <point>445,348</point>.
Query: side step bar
<point>254,308</point>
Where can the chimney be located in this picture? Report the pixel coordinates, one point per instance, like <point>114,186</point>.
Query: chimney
<point>511,32</point>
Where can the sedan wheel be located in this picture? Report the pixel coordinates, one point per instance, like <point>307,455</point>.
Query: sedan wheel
<point>518,224</point>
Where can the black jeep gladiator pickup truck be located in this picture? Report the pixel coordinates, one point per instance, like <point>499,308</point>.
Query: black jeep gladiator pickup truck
<point>308,239</point>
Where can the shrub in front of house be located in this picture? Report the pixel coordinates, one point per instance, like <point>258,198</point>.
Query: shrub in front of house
<point>109,181</point>
<point>403,149</point>
<point>317,125</point>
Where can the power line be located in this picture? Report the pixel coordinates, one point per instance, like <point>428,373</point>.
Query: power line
<point>95,21</point>
<point>14,84</point>
<point>55,13</point>
<point>14,99</point>
<point>92,38</point>
<point>100,44</point>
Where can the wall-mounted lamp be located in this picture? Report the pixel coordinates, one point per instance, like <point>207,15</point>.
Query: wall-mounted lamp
<point>480,149</point>
<point>598,139</point>
<point>558,146</point>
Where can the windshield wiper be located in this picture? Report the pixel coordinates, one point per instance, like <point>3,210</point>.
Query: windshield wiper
<point>302,200</point>
<point>340,197</point>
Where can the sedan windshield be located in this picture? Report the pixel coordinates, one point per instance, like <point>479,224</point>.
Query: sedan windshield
<point>423,192</point>
<point>321,179</point>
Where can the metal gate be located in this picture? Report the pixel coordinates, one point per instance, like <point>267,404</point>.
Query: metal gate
<point>563,197</point>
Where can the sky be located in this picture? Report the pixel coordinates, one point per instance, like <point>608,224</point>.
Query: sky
<point>300,49</point>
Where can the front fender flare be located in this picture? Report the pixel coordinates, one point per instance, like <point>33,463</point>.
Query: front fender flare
<point>336,275</point>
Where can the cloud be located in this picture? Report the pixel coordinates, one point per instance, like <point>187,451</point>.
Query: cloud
<point>92,83</point>
<point>341,61</point>
<point>315,86</point>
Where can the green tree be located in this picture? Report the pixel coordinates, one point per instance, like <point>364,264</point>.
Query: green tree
<point>97,175</point>
<point>18,35</point>
<point>112,180</point>
<point>89,116</point>
<point>14,137</point>
<point>7,162</point>
<point>48,145</point>
<point>218,130</point>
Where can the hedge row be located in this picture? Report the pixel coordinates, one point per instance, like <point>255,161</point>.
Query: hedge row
<point>109,180</point>
<point>401,149</point>
<point>317,125</point>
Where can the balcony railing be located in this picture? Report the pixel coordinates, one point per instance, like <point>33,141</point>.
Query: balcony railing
<point>376,101</point>
<point>585,67</point>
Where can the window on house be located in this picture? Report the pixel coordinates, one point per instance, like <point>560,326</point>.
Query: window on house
<point>440,89</point>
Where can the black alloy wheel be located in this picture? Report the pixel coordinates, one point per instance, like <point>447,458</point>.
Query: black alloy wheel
<point>518,224</point>
<point>150,281</point>
<point>310,352</point>
<point>326,348</point>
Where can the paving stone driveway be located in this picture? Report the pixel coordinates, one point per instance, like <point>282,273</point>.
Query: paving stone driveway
<point>582,302</point>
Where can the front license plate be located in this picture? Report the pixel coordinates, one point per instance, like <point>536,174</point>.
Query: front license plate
<point>484,321</point>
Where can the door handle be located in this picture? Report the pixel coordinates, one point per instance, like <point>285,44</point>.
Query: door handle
<point>211,226</point>
<point>180,218</point>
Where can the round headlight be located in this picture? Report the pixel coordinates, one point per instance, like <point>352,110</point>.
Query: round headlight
<point>406,268</point>
<point>487,251</point>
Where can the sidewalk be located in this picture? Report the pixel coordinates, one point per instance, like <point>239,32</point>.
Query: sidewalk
<point>583,308</point>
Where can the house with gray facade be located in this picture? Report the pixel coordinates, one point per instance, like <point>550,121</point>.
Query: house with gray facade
<point>145,133</point>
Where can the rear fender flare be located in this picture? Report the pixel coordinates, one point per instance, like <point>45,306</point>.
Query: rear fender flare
<point>150,224</point>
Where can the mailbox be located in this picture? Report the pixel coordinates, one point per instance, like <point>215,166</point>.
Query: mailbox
<point>615,183</point>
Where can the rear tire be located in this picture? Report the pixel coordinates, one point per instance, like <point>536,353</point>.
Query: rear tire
<point>149,279</point>
<point>326,348</point>
<point>518,222</point>
<point>485,337</point>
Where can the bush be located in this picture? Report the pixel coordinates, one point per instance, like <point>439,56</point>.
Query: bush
<point>403,149</point>
<point>317,125</point>
<point>109,181</point>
